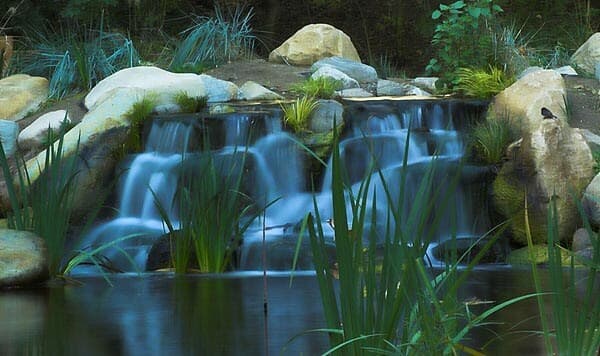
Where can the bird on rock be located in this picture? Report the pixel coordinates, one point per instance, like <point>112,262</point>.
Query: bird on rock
<point>547,114</point>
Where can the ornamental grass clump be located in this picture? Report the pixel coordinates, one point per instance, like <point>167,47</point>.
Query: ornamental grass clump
<point>321,87</point>
<point>490,139</point>
<point>44,204</point>
<point>483,84</point>
<point>297,114</point>
<point>190,104</point>
<point>136,115</point>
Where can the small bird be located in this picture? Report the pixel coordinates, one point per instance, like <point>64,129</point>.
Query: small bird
<point>547,114</point>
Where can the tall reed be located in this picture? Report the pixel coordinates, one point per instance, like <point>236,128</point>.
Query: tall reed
<point>388,301</point>
<point>572,325</point>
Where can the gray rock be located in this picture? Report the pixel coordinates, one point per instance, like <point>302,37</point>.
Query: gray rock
<point>254,91</point>
<point>529,70</point>
<point>34,134</point>
<point>598,71</point>
<point>566,70</point>
<point>591,138</point>
<point>360,72</point>
<point>330,72</point>
<point>9,130</point>
<point>591,201</point>
<point>23,258</point>
<point>390,88</point>
<point>426,83</point>
<point>581,240</point>
<point>353,93</point>
<point>323,116</point>
<point>587,56</point>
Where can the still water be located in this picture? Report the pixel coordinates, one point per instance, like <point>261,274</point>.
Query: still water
<point>162,314</point>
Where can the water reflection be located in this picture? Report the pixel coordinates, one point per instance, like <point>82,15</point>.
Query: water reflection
<point>201,315</point>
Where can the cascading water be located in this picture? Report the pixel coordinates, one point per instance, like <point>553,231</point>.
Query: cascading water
<point>274,172</point>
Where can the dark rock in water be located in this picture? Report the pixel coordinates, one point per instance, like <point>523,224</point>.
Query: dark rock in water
<point>23,258</point>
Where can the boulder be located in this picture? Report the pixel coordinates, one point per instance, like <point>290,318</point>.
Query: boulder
<point>582,240</point>
<point>314,42</point>
<point>566,70</point>
<point>8,136</point>
<point>254,91</point>
<point>587,56</point>
<point>521,102</point>
<point>21,94</point>
<point>391,88</point>
<point>552,162</point>
<point>353,93</point>
<point>23,258</point>
<point>360,72</point>
<point>591,201</point>
<point>163,84</point>
<point>426,83</point>
<point>332,73</point>
<point>321,120</point>
<point>34,135</point>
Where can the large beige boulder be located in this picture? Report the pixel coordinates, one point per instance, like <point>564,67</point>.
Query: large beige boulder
<point>314,42</point>
<point>551,161</point>
<point>23,258</point>
<point>522,102</point>
<point>34,135</point>
<point>587,57</point>
<point>164,84</point>
<point>21,94</point>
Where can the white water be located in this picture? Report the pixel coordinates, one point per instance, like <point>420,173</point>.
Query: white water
<point>274,172</point>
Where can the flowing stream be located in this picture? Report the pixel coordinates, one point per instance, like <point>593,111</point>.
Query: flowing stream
<point>274,171</point>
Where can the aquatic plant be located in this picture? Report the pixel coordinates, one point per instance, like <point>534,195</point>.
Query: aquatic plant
<point>573,290</point>
<point>190,104</point>
<point>77,59</point>
<point>215,40</point>
<point>213,213</point>
<point>490,138</point>
<point>43,206</point>
<point>297,114</point>
<point>482,84</point>
<point>386,300</point>
<point>321,87</point>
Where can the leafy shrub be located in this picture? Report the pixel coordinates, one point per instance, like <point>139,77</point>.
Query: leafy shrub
<point>214,40</point>
<point>190,104</point>
<point>462,38</point>
<point>297,114</point>
<point>321,87</point>
<point>481,83</point>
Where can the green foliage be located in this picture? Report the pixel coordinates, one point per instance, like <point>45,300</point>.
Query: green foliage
<point>575,309</point>
<point>297,114</point>
<point>77,59</point>
<point>386,69</point>
<point>490,139</point>
<point>596,156</point>
<point>43,206</point>
<point>215,40</point>
<point>138,113</point>
<point>197,68</point>
<point>190,104</point>
<point>211,208</point>
<point>321,87</point>
<point>52,135</point>
<point>462,37</point>
<point>482,84</point>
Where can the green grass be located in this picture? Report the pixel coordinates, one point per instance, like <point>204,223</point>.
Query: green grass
<point>391,304</point>
<point>190,104</point>
<point>45,205</point>
<point>215,40</point>
<point>138,113</point>
<point>481,83</point>
<point>489,140</point>
<point>322,87</point>
<point>297,114</point>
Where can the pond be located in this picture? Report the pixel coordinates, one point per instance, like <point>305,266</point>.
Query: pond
<point>163,314</point>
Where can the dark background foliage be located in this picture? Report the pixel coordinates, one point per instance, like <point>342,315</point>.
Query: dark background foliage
<point>394,31</point>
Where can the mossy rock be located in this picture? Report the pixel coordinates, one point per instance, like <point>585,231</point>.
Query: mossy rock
<point>540,256</point>
<point>509,200</point>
